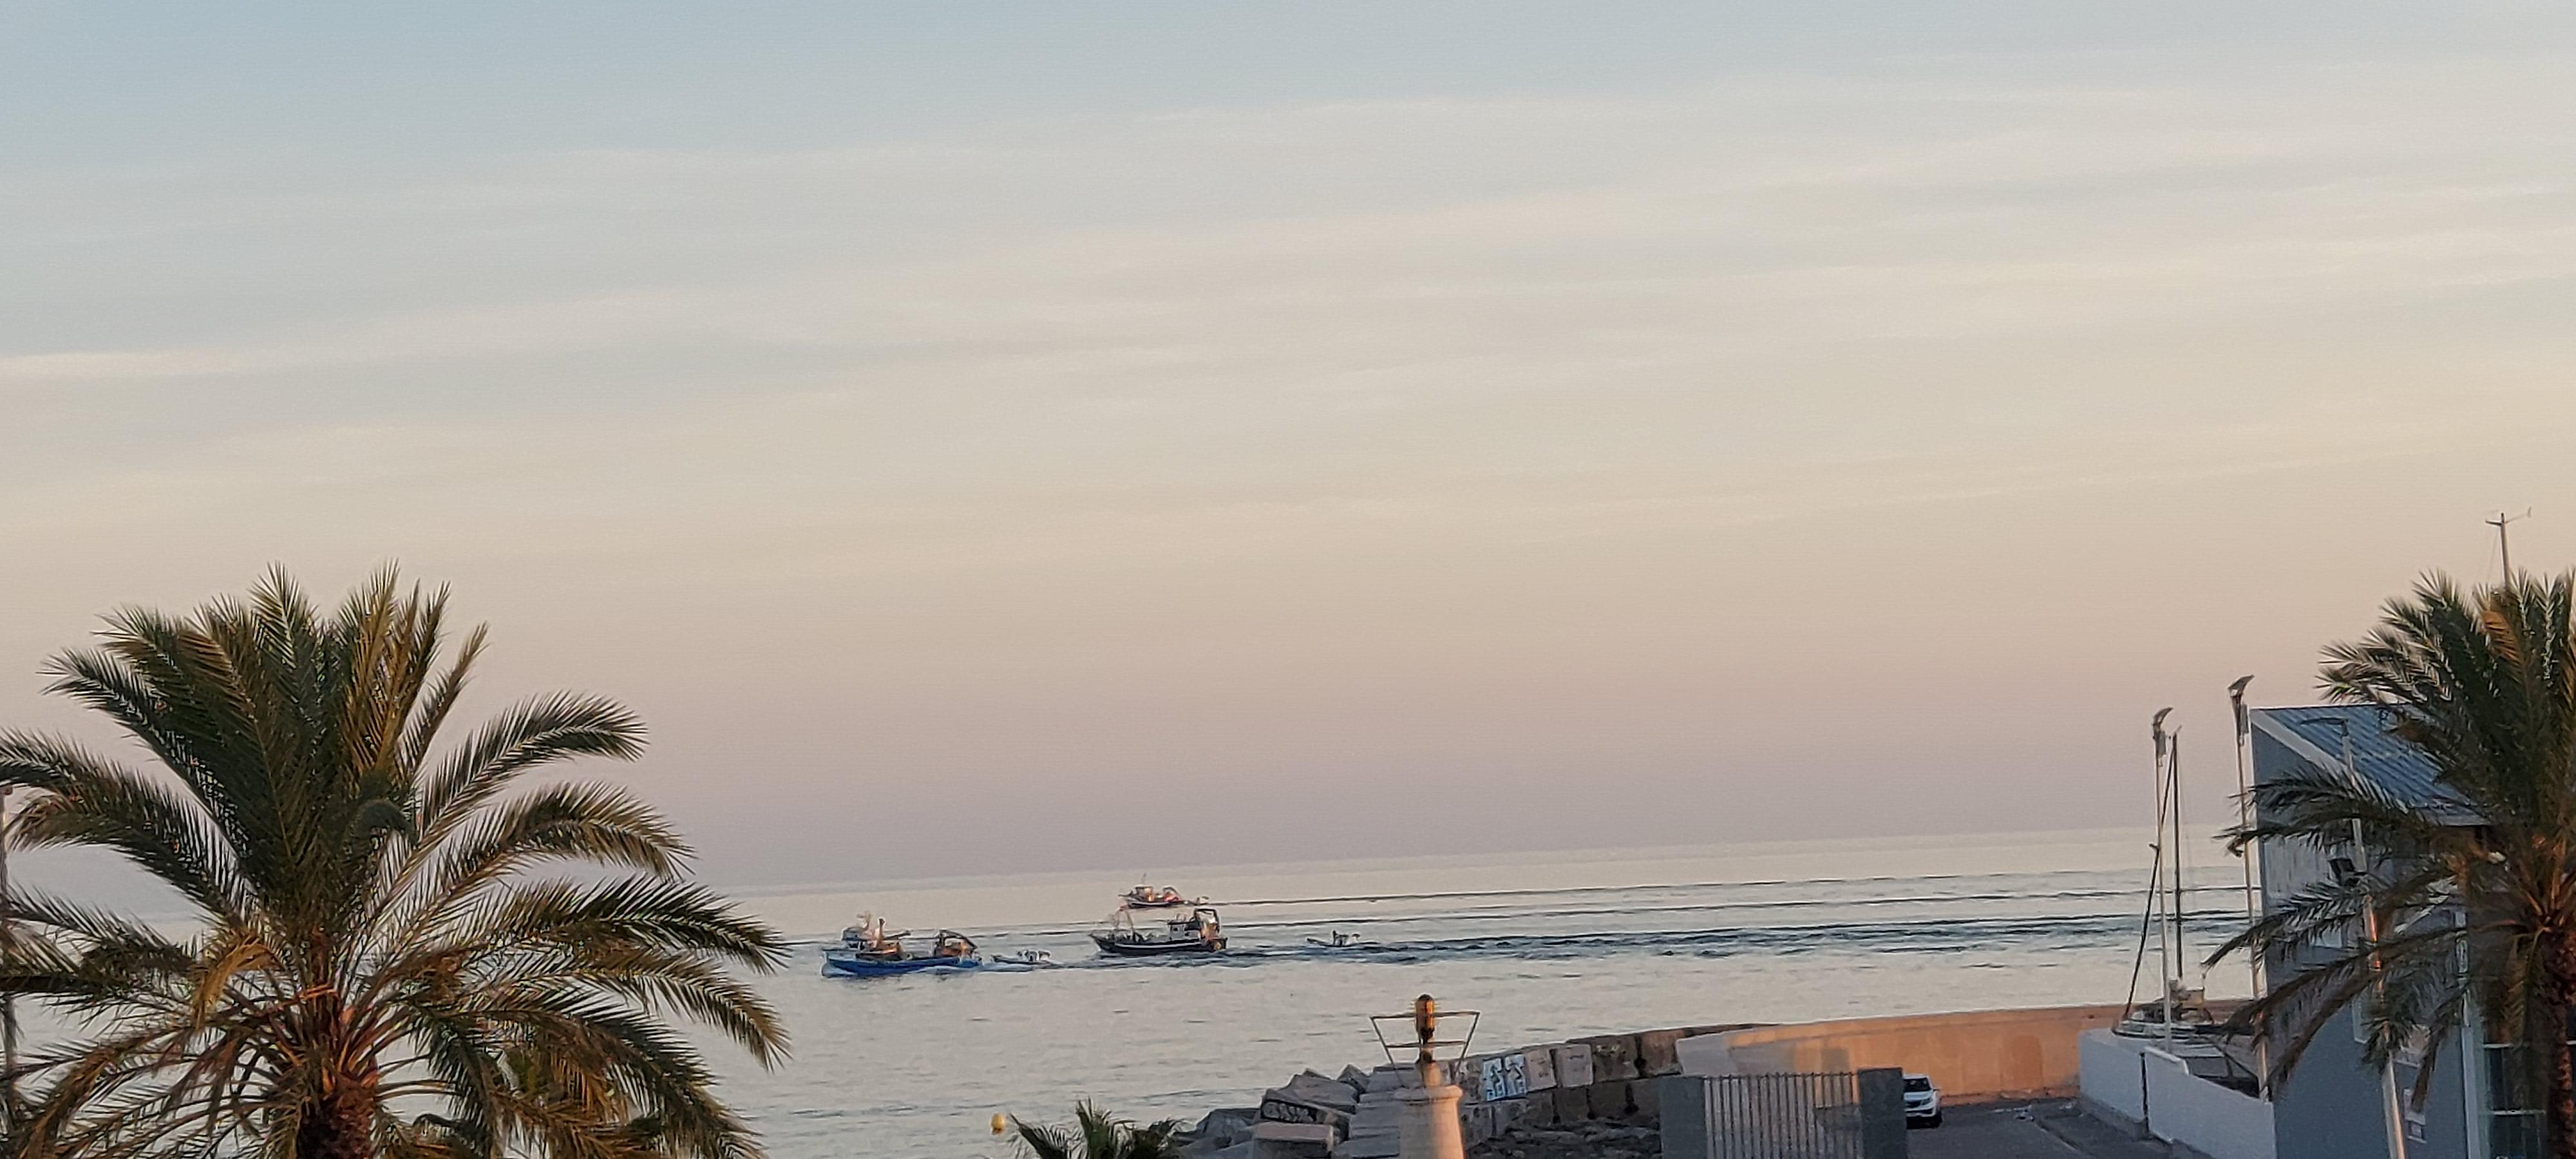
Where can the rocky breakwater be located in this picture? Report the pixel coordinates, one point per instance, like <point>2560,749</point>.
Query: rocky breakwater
<point>1511,1099</point>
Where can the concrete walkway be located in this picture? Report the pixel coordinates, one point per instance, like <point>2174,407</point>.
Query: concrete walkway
<point>2043,1130</point>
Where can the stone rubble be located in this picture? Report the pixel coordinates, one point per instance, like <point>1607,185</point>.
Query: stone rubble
<point>1583,1141</point>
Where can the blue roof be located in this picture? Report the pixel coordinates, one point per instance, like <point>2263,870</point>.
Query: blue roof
<point>2316,735</point>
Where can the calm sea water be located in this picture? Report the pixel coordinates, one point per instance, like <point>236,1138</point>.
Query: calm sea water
<point>1546,946</point>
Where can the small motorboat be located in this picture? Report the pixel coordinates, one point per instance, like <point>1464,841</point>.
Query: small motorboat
<point>1155,897</point>
<point>1021,960</point>
<point>868,951</point>
<point>1198,933</point>
<point>1340,941</point>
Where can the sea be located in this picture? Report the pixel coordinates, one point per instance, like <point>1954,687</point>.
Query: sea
<point>1543,946</point>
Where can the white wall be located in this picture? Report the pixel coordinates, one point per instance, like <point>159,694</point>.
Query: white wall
<point>2135,1082</point>
<point>2110,1076</point>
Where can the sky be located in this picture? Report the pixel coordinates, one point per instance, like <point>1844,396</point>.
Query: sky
<point>1000,437</point>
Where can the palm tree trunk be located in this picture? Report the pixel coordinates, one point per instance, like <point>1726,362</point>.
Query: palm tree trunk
<point>341,1125</point>
<point>2562,1094</point>
<point>2552,1032</point>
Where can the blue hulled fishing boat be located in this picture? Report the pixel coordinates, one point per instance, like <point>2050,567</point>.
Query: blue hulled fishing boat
<point>867,951</point>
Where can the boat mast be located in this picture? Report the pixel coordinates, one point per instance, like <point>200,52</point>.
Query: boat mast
<point>2181,857</point>
<point>2164,936</point>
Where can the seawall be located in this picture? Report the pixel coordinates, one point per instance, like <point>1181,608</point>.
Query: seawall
<point>1973,1056</point>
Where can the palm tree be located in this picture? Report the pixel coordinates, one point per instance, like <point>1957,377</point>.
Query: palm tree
<point>2469,899</point>
<point>1097,1134</point>
<point>374,969</point>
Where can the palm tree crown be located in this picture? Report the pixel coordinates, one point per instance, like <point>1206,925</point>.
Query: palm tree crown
<point>373,969</point>
<point>2472,896</point>
<point>1097,1134</point>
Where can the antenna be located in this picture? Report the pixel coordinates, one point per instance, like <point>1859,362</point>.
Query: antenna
<point>2504,544</point>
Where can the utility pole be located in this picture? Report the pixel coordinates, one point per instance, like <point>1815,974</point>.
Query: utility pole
<point>2504,544</point>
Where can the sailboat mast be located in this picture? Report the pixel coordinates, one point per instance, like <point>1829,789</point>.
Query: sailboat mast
<point>2164,932</point>
<point>2173,777</point>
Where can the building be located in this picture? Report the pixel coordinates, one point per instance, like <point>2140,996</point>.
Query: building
<point>2333,1106</point>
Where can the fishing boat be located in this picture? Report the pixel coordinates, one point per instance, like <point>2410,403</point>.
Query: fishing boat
<point>868,951</point>
<point>1155,897</point>
<point>1198,933</point>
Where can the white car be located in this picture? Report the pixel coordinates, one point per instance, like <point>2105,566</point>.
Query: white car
<point>1922,1101</point>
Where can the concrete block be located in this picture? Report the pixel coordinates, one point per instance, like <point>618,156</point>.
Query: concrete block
<point>1614,1056</point>
<point>1323,1091</point>
<point>1369,1147</point>
<point>1573,1064</point>
<point>1354,1078</point>
<point>1539,1110</point>
<point>1573,1104</point>
<point>1471,1084</point>
<point>1509,1113</point>
<point>1282,1105</point>
<point>1489,1077</point>
<point>1292,1141</point>
<point>1656,1053</point>
<point>1541,1064</point>
<point>1311,1098</point>
<point>1376,1129</point>
<point>1390,1077</point>
<point>1609,1098</point>
<point>1227,1126</point>
<point>1476,1123</point>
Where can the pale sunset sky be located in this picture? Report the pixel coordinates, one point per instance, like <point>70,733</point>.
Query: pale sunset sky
<point>996,437</point>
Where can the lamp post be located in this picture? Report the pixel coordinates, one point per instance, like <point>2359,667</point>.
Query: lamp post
<point>2246,853</point>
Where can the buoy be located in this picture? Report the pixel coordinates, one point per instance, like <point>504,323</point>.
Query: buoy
<point>1000,1124</point>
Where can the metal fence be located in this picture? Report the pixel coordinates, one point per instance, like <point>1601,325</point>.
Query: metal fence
<point>1785,1116</point>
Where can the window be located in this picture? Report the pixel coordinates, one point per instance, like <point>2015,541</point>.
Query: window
<point>2516,1092</point>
